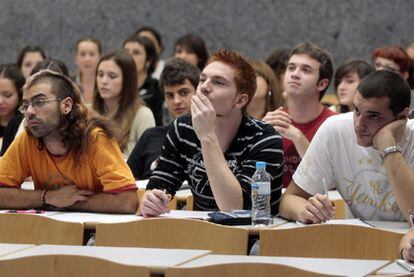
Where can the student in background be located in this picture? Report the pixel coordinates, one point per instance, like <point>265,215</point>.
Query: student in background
<point>192,49</point>
<point>28,57</point>
<point>395,58</point>
<point>216,148</point>
<point>155,37</point>
<point>267,97</point>
<point>277,60</point>
<point>88,53</point>
<point>17,123</point>
<point>308,74</point>
<point>366,155</point>
<point>11,83</point>
<point>116,98</point>
<point>72,158</point>
<point>143,52</point>
<point>346,80</point>
<point>179,80</point>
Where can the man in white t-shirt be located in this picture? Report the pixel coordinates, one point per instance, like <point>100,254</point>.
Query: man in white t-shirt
<point>366,155</point>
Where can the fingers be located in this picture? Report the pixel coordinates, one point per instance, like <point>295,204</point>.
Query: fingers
<point>308,217</point>
<point>408,254</point>
<point>85,192</point>
<point>154,203</point>
<point>201,103</point>
<point>162,196</point>
<point>279,118</point>
<point>320,207</point>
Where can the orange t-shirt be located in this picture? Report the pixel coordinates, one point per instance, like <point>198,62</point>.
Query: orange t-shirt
<point>101,168</point>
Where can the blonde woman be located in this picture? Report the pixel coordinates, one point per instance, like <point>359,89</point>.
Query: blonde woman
<point>88,52</point>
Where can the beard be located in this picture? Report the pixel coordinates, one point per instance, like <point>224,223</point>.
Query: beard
<point>46,127</point>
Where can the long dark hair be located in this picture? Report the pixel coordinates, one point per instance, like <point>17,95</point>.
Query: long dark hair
<point>12,72</point>
<point>129,101</point>
<point>76,127</point>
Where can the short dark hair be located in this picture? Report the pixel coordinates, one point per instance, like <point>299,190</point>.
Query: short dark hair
<point>176,71</point>
<point>194,44</point>
<point>322,56</point>
<point>29,49</point>
<point>154,32</point>
<point>52,64</point>
<point>277,60</point>
<point>150,51</point>
<point>385,83</point>
<point>360,67</point>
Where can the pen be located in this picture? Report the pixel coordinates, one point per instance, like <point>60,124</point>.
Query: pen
<point>25,211</point>
<point>325,188</point>
<point>411,218</point>
<point>161,199</point>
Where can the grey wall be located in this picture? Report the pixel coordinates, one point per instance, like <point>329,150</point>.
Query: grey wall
<point>348,28</point>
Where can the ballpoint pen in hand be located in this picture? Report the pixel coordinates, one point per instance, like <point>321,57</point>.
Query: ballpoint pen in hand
<point>325,188</point>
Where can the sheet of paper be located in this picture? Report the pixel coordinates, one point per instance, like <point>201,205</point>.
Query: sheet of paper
<point>94,217</point>
<point>186,214</point>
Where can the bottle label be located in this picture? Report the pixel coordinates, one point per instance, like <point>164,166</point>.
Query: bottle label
<point>261,187</point>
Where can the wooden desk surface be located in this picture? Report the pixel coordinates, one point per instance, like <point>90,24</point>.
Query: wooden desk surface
<point>345,267</point>
<point>156,259</point>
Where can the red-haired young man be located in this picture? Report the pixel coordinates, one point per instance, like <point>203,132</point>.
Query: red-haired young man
<point>215,149</point>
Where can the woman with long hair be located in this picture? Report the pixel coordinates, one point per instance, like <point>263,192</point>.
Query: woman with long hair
<point>11,83</point>
<point>116,97</point>
<point>28,57</point>
<point>267,96</point>
<point>144,54</point>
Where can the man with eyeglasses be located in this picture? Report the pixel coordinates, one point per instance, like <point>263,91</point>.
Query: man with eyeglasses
<point>367,155</point>
<point>308,74</point>
<point>72,158</point>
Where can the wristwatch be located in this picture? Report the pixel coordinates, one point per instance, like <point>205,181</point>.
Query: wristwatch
<point>389,150</point>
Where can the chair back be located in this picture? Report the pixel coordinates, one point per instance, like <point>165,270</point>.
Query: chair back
<point>68,265</point>
<point>240,270</point>
<point>36,229</point>
<point>331,241</point>
<point>174,233</point>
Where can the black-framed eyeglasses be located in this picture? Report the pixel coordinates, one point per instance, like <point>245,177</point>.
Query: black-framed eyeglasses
<point>36,104</point>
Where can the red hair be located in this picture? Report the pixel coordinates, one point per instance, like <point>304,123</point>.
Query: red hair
<point>245,77</point>
<point>395,53</point>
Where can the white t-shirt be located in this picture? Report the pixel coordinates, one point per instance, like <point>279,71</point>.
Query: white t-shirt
<point>356,172</point>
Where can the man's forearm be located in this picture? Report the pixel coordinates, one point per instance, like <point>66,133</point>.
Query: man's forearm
<point>401,179</point>
<point>16,198</point>
<point>291,206</point>
<point>122,203</point>
<point>225,187</point>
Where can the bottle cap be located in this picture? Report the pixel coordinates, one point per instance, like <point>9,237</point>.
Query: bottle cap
<point>260,164</point>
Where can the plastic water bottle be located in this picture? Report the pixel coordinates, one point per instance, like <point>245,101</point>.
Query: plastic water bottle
<point>260,195</point>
